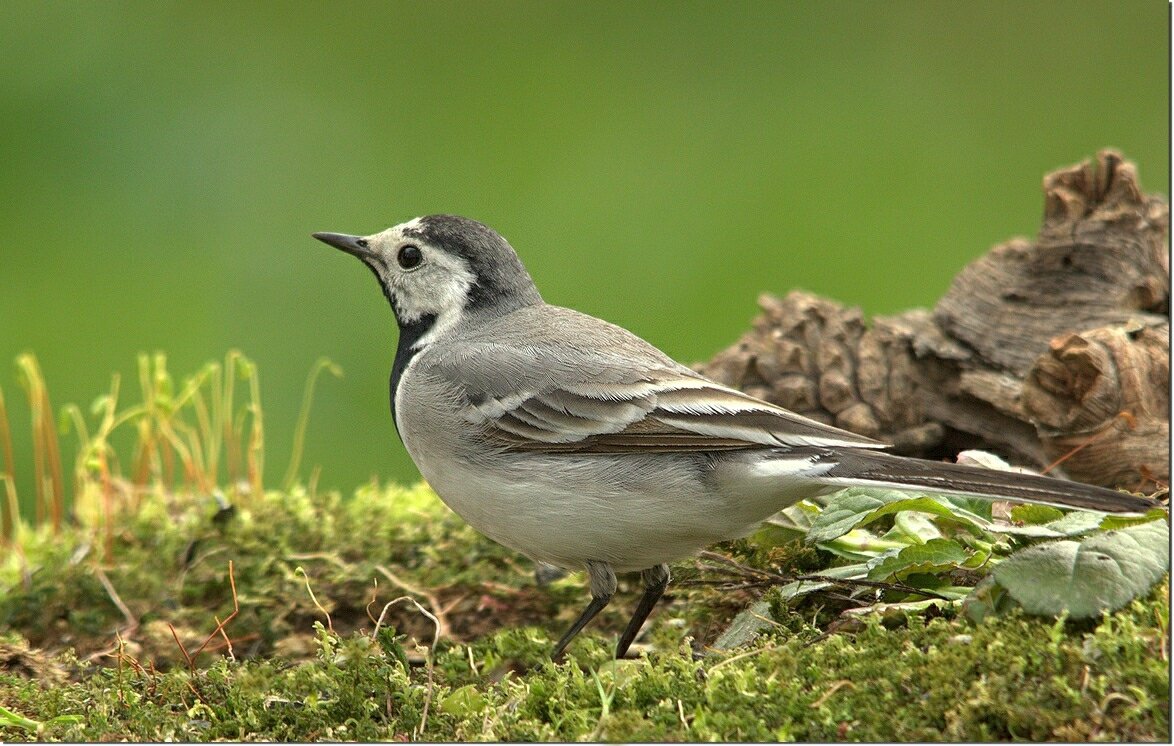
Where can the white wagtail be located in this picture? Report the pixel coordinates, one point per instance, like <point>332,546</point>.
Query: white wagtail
<point>579,444</point>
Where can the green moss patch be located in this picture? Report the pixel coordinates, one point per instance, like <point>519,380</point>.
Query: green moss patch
<point>99,646</point>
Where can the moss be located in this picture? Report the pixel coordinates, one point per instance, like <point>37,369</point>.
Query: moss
<point>1011,678</point>
<point>294,679</point>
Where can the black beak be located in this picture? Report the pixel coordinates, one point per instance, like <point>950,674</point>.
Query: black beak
<point>354,245</point>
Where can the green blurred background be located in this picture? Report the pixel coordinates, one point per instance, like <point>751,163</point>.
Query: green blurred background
<point>656,164</point>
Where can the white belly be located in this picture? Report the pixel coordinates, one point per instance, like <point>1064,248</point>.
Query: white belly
<point>632,512</point>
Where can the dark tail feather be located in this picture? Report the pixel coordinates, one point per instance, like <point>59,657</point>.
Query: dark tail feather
<point>872,468</point>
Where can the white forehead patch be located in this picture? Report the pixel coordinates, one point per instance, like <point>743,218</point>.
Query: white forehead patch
<point>415,224</point>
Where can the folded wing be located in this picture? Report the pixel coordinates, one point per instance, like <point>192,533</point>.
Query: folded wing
<point>670,412</point>
<point>611,393</point>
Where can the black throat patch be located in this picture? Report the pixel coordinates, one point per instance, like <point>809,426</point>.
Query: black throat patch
<point>409,334</point>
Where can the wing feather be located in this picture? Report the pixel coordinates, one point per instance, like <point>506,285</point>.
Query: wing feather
<point>569,382</point>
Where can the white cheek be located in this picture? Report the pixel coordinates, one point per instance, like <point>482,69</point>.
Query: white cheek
<point>452,305</point>
<point>408,306</point>
<point>442,294</point>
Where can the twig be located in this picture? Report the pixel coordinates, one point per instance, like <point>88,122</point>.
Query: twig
<point>219,624</point>
<point>329,621</point>
<point>425,612</point>
<point>153,675</point>
<point>227,642</point>
<point>188,657</point>
<point>132,623</point>
<point>325,557</point>
<point>419,730</point>
<point>1112,697</point>
<point>196,692</point>
<point>765,577</point>
<point>1161,624</point>
<point>119,644</point>
<point>374,598</point>
<point>449,607</point>
<point>121,648</point>
<point>874,584</point>
<point>183,575</point>
<point>442,626</point>
<point>218,646</point>
<point>728,585</point>
<point>740,656</point>
<point>182,649</point>
<point>741,568</point>
<point>473,662</point>
<point>831,690</point>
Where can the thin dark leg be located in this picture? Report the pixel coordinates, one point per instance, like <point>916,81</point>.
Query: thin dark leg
<point>588,614</point>
<point>603,587</point>
<point>656,579</point>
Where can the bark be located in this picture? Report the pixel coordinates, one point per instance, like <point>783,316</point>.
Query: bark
<point>1057,348</point>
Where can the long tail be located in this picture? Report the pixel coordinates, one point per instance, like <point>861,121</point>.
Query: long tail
<point>858,467</point>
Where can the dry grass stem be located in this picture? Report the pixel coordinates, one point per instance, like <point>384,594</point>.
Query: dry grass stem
<point>442,626</point>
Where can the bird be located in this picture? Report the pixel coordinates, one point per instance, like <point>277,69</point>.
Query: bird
<point>577,443</point>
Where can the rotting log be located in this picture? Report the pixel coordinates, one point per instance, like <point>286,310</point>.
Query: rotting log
<point>1040,351</point>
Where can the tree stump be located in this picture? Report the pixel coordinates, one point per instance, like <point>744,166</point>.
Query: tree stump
<point>1052,353</point>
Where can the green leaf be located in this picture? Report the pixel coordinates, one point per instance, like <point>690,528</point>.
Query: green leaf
<point>931,557</point>
<point>897,612</point>
<point>463,702</point>
<point>915,526</point>
<point>848,509</point>
<point>746,627</point>
<point>392,646</point>
<point>976,560</point>
<point>1110,522</point>
<point>1071,524</point>
<point>798,588</point>
<point>986,599</point>
<point>860,506</point>
<point>861,544</point>
<point>16,720</point>
<point>1085,577</point>
<point>771,534</point>
<point>936,506</point>
<point>974,505</point>
<point>923,504</point>
<point>796,517</point>
<point>1035,514</point>
<point>1076,523</point>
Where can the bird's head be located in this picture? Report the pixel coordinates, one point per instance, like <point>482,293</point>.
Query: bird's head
<point>441,269</point>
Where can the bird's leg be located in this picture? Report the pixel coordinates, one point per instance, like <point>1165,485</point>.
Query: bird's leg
<point>602,582</point>
<point>656,579</point>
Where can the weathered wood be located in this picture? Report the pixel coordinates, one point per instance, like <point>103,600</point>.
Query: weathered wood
<point>1105,392</point>
<point>1038,348</point>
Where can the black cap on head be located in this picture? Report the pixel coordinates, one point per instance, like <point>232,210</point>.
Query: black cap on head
<point>501,277</point>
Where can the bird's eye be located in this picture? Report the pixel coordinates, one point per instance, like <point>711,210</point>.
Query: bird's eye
<point>409,257</point>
